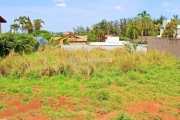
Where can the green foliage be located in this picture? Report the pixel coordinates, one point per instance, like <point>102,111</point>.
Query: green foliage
<point>131,47</point>
<point>81,31</point>
<point>122,117</point>
<point>18,42</point>
<point>103,95</point>
<point>2,107</point>
<point>93,35</point>
<point>170,29</point>
<point>43,33</point>
<point>133,29</point>
<point>124,38</point>
<point>66,42</point>
<point>25,24</point>
<point>111,88</point>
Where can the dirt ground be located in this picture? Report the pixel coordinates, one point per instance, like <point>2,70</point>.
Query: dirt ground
<point>18,110</point>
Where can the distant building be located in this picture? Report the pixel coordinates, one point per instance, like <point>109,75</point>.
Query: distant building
<point>73,39</point>
<point>2,20</point>
<point>41,40</point>
<point>165,22</point>
<point>110,40</point>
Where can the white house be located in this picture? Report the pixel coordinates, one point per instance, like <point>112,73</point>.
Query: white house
<point>111,40</point>
<point>165,22</point>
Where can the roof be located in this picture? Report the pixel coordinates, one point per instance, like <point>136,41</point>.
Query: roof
<point>110,35</point>
<point>70,35</point>
<point>56,38</point>
<point>2,20</point>
<point>82,38</point>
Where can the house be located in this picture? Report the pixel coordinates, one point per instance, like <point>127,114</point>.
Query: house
<point>81,40</point>
<point>73,39</point>
<point>165,22</point>
<point>110,40</point>
<point>2,20</point>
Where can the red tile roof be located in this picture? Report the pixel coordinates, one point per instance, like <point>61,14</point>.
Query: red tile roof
<point>2,20</point>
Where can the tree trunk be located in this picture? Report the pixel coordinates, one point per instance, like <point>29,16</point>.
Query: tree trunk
<point>142,35</point>
<point>134,33</point>
<point>0,29</point>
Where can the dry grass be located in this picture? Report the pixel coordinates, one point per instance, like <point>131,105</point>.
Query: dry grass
<point>53,61</point>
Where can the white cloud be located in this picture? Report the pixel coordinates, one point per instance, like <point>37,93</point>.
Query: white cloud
<point>58,0</point>
<point>61,5</point>
<point>165,4</point>
<point>118,7</point>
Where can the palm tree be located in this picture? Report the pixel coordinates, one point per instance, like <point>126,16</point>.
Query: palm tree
<point>144,14</point>
<point>14,27</point>
<point>29,26</point>
<point>133,29</point>
<point>22,22</point>
<point>144,19</point>
<point>38,25</point>
<point>157,28</point>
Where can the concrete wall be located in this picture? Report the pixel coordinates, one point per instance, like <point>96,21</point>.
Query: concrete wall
<point>107,47</point>
<point>167,45</point>
<point>77,43</point>
<point>112,39</point>
<point>109,43</point>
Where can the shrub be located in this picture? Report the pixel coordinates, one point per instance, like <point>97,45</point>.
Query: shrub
<point>19,42</point>
<point>123,117</point>
<point>103,95</point>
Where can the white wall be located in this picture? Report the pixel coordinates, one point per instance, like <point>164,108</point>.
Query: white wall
<point>108,47</point>
<point>165,22</point>
<point>109,43</point>
<point>112,39</point>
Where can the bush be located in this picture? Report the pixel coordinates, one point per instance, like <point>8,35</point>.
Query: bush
<point>19,42</point>
<point>43,33</point>
<point>139,41</point>
<point>123,117</point>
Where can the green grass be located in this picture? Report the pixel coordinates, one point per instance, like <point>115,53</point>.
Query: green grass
<point>106,86</point>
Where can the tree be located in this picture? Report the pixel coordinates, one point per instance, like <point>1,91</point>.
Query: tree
<point>79,30</point>
<point>38,25</point>
<point>150,28</point>
<point>93,35</point>
<point>157,28</point>
<point>160,20</point>
<point>22,22</point>
<point>29,26</point>
<point>44,33</point>
<point>144,19</point>
<point>133,29</point>
<point>14,27</point>
<point>170,30</point>
<point>17,42</point>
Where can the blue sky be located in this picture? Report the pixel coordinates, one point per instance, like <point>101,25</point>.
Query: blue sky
<point>63,15</point>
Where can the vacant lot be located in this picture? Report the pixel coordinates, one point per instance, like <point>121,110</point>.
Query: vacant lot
<point>90,85</point>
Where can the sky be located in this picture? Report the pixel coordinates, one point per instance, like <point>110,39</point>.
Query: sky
<point>63,15</point>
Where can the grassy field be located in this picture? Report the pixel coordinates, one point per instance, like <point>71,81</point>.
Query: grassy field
<point>57,84</point>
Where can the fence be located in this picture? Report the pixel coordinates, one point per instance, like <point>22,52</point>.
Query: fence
<point>170,46</point>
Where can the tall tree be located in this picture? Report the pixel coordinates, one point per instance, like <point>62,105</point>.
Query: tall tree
<point>133,29</point>
<point>38,25</point>
<point>22,22</point>
<point>29,25</point>
<point>144,19</point>
<point>14,27</point>
<point>170,29</point>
